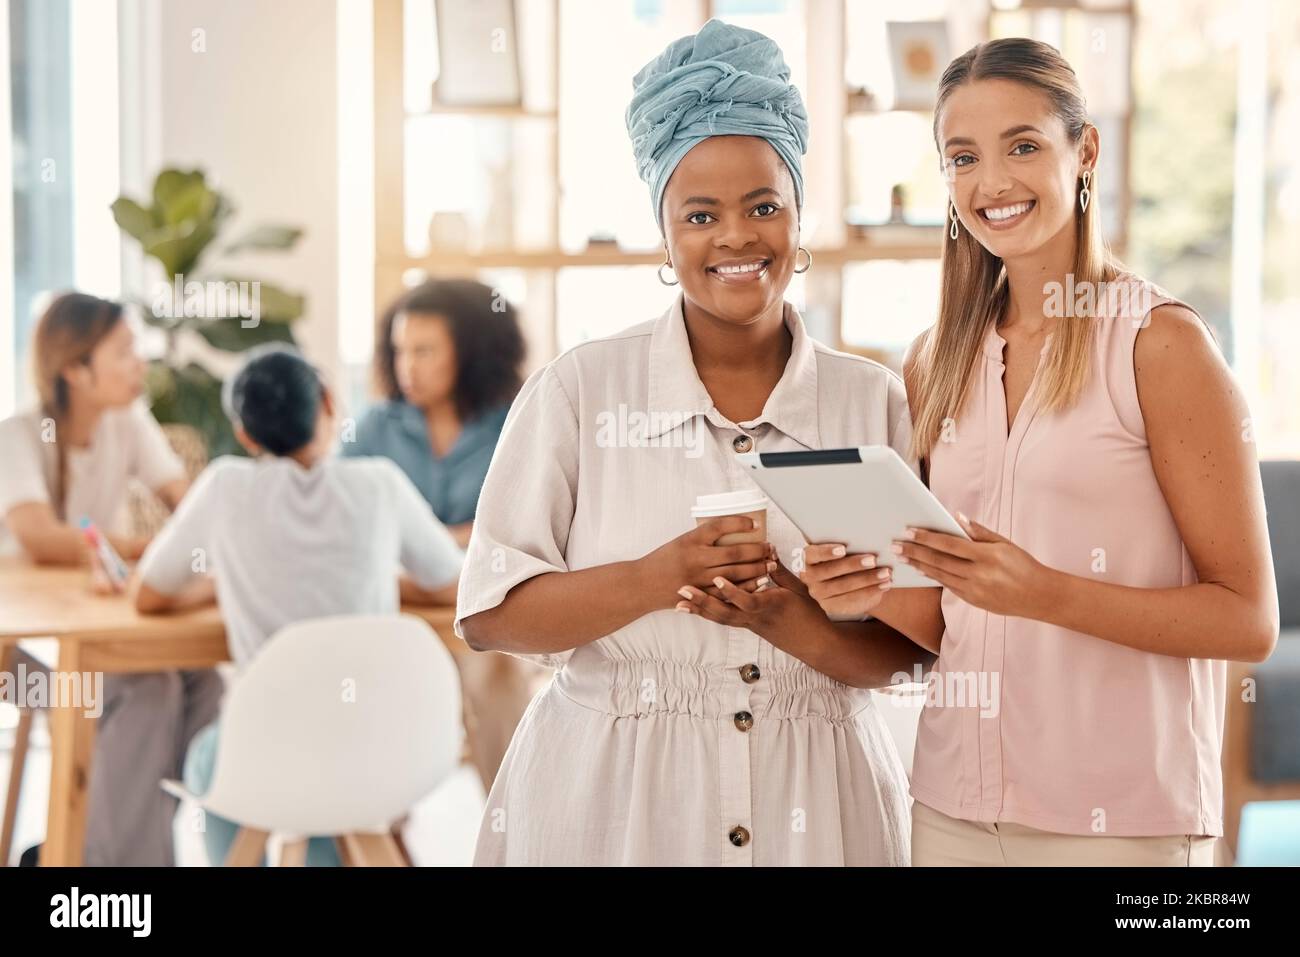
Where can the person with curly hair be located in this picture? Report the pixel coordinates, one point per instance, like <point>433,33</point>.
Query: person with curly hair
<point>448,359</point>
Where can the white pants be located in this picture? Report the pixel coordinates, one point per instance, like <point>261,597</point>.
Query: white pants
<point>942,841</point>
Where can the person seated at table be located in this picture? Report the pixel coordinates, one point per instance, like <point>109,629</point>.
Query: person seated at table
<point>73,456</point>
<point>448,360</point>
<point>292,533</point>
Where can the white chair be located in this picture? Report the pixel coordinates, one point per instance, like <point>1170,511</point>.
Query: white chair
<point>337,728</point>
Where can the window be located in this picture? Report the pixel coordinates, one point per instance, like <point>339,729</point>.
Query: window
<point>1216,181</point>
<point>60,64</point>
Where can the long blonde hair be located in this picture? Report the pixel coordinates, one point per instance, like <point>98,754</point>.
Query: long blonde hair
<point>973,284</point>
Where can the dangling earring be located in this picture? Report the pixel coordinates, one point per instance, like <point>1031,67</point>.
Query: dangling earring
<point>661,273</point>
<point>1085,194</point>
<point>806,253</point>
<point>952,214</point>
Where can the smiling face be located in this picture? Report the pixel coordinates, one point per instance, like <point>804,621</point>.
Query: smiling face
<point>1011,166</point>
<point>731,227</point>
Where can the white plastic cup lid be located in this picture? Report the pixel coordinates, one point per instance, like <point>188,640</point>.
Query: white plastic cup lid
<point>728,503</point>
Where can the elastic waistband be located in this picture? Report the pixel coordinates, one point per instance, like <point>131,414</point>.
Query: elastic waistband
<point>647,686</point>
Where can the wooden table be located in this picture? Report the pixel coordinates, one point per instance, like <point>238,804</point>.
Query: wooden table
<point>106,633</point>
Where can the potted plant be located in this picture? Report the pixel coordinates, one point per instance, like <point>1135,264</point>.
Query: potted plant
<point>179,228</point>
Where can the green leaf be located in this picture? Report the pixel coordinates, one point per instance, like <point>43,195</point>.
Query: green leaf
<point>266,237</point>
<point>136,221</point>
<point>178,195</point>
<point>194,205</point>
<point>230,335</point>
<point>274,304</point>
<point>166,247</point>
<point>233,314</point>
<point>160,385</point>
<point>191,395</point>
<point>179,248</point>
<point>279,305</point>
<point>171,247</point>
<point>182,223</point>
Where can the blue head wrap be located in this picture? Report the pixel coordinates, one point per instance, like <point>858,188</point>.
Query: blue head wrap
<point>722,81</point>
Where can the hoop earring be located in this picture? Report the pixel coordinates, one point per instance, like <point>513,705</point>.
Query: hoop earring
<point>1085,194</point>
<point>660,273</point>
<point>796,258</point>
<point>952,214</point>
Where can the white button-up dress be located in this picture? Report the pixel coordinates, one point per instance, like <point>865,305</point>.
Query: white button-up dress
<point>675,740</point>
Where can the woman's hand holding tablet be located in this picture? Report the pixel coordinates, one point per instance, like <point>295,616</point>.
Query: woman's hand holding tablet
<point>984,569</point>
<point>864,498</point>
<point>846,586</point>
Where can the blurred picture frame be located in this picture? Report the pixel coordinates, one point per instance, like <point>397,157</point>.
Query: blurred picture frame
<point>918,54</point>
<point>478,54</point>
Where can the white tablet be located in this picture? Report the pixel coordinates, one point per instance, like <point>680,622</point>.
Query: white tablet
<point>864,497</point>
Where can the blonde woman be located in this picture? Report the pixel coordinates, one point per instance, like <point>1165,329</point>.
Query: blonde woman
<point>1088,434</point>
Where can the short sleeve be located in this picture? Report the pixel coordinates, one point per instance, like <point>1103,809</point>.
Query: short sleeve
<point>22,479</point>
<point>168,564</point>
<point>155,463</point>
<point>525,511</point>
<point>429,553</point>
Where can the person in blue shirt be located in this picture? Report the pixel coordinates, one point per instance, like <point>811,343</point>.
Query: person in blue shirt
<point>448,363</point>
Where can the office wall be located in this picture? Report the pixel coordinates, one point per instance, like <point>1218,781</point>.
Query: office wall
<point>247,90</point>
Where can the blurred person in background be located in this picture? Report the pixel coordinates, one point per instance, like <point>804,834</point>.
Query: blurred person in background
<point>448,361</point>
<point>72,457</point>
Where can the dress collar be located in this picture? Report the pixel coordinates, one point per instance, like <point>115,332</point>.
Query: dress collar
<point>676,392</point>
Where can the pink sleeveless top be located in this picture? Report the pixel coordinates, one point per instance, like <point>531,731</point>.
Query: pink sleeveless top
<point>1029,723</point>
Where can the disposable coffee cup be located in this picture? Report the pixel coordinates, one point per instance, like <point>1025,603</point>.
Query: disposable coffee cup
<point>751,503</point>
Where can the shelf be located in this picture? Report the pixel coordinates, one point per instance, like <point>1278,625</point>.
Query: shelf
<point>533,273</point>
<point>856,105</point>
<point>927,245</point>
<point>1032,6</point>
<point>486,112</point>
<point>451,261</point>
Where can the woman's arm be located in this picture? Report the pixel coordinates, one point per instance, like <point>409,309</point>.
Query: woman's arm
<point>172,492</point>
<point>541,615</point>
<point>48,541</point>
<point>1204,457</point>
<point>914,612</point>
<point>559,611</point>
<point>866,654</point>
<point>1205,460</point>
<point>851,585</point>
<point>861,654</point>
<point>168,578</point>
<point>149,601</point>
<point>413,594</point>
